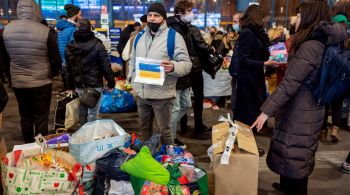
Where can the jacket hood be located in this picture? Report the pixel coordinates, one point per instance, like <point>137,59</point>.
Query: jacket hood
<point>175,22</point>
<point>83,44</point>
<point>63,24</point>
<point>330,33</point>
<point>28,9</point>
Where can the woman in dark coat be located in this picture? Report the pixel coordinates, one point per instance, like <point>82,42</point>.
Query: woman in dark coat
<point>298,118</point>
<point>247,65</point>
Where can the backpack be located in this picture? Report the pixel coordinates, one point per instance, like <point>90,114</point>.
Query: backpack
<point>170,41</point>
<point>334,77</point>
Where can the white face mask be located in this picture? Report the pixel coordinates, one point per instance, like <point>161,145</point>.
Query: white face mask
<point>187,18</point>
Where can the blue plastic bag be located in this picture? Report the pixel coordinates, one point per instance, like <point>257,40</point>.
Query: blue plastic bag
<point>117,101</point>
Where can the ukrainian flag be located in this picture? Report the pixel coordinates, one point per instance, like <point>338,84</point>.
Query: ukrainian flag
<point>149,71</point>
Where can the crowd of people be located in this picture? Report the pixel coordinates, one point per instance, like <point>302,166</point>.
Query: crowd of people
<point>31,54</point>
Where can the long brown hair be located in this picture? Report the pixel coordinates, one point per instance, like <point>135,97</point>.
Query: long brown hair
<point>311,13</point>
<point>253,16</point>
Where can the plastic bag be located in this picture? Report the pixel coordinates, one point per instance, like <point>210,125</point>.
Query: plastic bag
<point>146,167</point>
<point>174,185</point>
<point>72,113</point>
<point>174,154</point>
<point>108,167</point>
<point>64,108</point>
<point>117,101</point>
<point>132,141</point>
<point>93,140</point>
<point>152,144</point>
<point>120,188</point>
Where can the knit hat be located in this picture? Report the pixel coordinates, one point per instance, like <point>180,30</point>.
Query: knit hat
<point>143,18</point>
<point>158,8</point>
<point>71,10</point>
<point>340,18</point>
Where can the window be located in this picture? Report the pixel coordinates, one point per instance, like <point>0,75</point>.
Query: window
<point>52,9</point>
<point>129,9</point>
<point>90,9</point>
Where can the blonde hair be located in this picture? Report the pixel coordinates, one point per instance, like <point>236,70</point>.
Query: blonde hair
<point>274,33</point>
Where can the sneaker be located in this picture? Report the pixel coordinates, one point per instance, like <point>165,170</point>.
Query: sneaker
<point>345,167</point>
<point>179,143</point>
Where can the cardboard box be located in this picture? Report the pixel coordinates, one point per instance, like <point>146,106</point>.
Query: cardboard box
<point>211,181</point>
<point>240,176</point>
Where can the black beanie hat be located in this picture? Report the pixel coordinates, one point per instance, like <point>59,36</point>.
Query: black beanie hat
<point>143,18</point>
<point>71,10</point>
<point>158,8</point>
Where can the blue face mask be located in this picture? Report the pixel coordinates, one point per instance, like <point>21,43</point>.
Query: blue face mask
<point>236,27</point>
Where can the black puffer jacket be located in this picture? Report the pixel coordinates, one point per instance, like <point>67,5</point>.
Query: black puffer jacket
<point>89,53</point>
<point>197,48</point>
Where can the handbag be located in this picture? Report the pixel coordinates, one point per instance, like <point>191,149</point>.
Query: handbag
<point>214,63</point>
<point>90,97</point>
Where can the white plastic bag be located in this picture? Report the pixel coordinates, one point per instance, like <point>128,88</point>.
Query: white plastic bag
<point>121,188</point>
<point>72,113</point>
<point>93,140</point>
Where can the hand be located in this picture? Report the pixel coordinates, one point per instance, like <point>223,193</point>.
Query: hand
<point>168,66</point>
<point>260,121</point>
<point>69,93</point>
<point>272,63</point>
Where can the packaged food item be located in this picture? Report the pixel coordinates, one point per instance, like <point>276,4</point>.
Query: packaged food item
<point>52,160</point>
<point>60,139</point>
<point>151,188</point>
<point>30,172</point>
<point>278,53</point>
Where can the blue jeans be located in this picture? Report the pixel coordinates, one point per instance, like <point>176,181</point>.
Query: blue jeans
<point>180,105</point>
<point>87,114</point>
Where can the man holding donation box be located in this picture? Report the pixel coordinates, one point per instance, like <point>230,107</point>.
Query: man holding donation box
<point>158,57</point>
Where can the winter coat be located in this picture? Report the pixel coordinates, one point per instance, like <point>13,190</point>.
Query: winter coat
<point>65,35</point>
<point>249,56</point>
<point>226,45</point>
<point>124,37</point>
<point>32,48</point>
<point>156,48</point>
<point>298,118</point>
<point>197,48</point>
<point>88,55</point>
<point>217,40</point>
